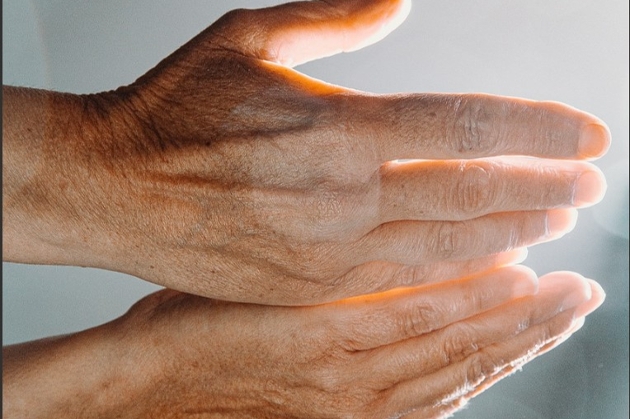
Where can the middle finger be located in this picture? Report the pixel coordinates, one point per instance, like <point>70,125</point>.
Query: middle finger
<point>457,190</point>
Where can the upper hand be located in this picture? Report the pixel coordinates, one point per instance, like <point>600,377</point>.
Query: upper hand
<point>256,183</point>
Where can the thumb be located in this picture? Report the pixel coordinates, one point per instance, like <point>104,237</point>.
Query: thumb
<point>294,33</point>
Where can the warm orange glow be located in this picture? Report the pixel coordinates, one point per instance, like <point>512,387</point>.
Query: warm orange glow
<point>301,41</point>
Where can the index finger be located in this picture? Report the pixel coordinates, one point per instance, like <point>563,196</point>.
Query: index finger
<point>464,126</point>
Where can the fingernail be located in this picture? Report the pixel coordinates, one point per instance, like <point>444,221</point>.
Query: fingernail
<point>594,141</point>
<point>527,282</point>
<point>577,324</point>
<point>560,222</point>
<point>598,295</point>
<point>513,257</point>
<point>520,254</point>
<point>577,297</point>
<point>589,188</point>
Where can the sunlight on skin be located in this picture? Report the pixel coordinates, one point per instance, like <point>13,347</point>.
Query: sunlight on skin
<point>323,37</point>
<point>304,82</point>
<point>513,257</point>
<point>225,111</point>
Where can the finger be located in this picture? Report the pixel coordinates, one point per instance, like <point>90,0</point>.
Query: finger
<point>422,242</point>
<point>372,321</point>
<point>412,358</point>
<point>576,325</point>
<point>460,190</point>
<point>379,276</point>
<point>460,379</point>
<point>448,408</point>
<point>507,371</point>
<point>462,126</point>
<point>597,299</point>
<point>297,32</point>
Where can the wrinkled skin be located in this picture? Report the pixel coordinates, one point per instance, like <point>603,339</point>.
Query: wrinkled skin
<point>412,353</point>
<point>222,172</point>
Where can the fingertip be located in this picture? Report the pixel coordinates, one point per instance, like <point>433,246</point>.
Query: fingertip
<point>572,287</point>
<point>521,254</point>
<point>525,280</point>
<point>577,325</point>
<point>371,21</point>
<point>594,140</point>
<point>561,222</point>
<point>598,295</point>
<point>319,29</point>
<point>590,188</point>
<point>598,291</point>
<point>513,257</point>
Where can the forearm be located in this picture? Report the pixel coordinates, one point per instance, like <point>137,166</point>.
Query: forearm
<point>80,375</point>
<point>46,138</point>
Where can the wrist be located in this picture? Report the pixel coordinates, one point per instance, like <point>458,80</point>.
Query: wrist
<point>52,175</point>
<point>87,375</point>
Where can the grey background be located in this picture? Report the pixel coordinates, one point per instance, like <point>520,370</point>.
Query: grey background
<point>574,51</point>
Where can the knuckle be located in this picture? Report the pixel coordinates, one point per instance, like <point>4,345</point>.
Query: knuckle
<point>330,372</point>
<point>329,207</point>
<point>473,129</point>
<point>306,269</point>
<point>548,139</point>
<point>419,319</point>
<point>477,300</point>
<point>331,381</point>
<point>473,193</point>
<point>235,15</point>
<point>231,23</point>
<point>525,230</point>
<point>555,328</point>
<point>328,212</point>
<point>448,240</point>
<point>459,345</point>
<point>479,366</point>
<point>341,211</point>
<point>313,266</point>
<point>411,275</point>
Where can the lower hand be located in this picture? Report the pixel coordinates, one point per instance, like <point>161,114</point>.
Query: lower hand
<point>413,353</point>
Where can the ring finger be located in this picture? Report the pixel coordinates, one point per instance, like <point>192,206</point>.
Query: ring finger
<point>421,242</point>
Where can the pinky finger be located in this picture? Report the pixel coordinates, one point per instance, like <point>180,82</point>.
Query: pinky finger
<point>447,409</point>
<point>467,378</point>
<point>518,364</point>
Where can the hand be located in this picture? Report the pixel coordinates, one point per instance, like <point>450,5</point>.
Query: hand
<point>412,353</point>
<point>224,173</point>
